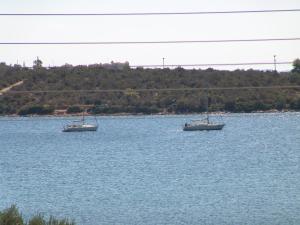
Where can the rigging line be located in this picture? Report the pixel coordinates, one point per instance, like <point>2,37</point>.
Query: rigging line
<point>215,64</point>
<point>151,42</point>
<point>154,89</point>
<point>154,13</point>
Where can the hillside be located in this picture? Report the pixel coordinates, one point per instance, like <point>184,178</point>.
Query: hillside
<point>97,77</point>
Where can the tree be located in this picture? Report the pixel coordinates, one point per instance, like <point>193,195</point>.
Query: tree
<point>296,65</point>
<point>37,63</point>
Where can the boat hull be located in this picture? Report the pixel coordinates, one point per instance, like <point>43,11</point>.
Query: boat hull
<point>201,127</point>
<point>80,129</point>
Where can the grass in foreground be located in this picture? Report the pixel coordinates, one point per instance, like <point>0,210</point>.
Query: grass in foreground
<point>12,216</point>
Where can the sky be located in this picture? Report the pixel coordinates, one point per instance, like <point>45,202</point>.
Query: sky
<point>150,28</point>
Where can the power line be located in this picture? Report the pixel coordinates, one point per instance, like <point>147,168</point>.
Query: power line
<point>154,13</point>
<point>215,64</point>
<point>154,89</point>
<point>189,65</point>
<point>151,42</point>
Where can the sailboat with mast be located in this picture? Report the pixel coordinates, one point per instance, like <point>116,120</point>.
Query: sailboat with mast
<point>203,124</point>
<point>80,126</point>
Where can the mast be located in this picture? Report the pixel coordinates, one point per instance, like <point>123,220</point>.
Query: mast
<point>83,117</point>
<point>206,106</point>
<point>206,98</point>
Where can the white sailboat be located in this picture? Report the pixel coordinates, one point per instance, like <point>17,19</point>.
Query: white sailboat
<point>80,126</point>
<point>204,124</point>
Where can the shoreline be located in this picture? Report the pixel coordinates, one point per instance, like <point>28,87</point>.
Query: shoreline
<point>142,114</point>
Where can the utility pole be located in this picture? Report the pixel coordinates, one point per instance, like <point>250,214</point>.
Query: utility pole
<point>275,64</point>
<point>163,63</point>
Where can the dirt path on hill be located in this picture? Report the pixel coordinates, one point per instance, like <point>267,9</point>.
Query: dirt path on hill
<point>4,90</point>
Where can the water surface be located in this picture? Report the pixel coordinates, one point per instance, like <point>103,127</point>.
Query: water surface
<point>146,170</point>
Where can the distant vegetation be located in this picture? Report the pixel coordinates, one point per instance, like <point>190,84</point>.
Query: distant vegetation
<point>122,77</point>
<point>12,216</point>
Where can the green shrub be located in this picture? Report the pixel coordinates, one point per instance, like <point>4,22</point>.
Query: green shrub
<point>37,220</point>
<point>230,106</point>
<point>295,104</point>
<point>11,216</point>
<point>38,110</point>
<point>74,109</point>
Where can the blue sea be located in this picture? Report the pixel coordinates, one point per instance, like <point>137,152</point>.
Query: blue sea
<point>146,170</point>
